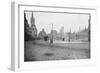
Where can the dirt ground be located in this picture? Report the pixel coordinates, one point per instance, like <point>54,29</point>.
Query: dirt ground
<point>42,51</point>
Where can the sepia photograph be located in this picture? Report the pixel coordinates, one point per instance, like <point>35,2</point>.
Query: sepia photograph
<point>56,36</point>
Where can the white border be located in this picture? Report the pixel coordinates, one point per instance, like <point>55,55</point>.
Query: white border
<point>18,59</point>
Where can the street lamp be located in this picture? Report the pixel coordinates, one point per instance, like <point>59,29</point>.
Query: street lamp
<point>51,40</point>
<point>69,34</point>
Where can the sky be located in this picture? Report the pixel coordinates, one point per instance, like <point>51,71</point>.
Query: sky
<point>70,22</point>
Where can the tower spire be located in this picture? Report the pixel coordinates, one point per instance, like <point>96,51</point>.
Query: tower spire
<point>32,20</point>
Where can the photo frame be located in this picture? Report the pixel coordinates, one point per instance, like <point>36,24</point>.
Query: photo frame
<point>18,36</point>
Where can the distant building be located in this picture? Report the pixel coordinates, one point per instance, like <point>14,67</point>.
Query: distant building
<point>30,31</point>
<point>84,34</point>
<point>33,28</point>
<point>42,34</point>
<point>53,34</point>
<point>61,32</point>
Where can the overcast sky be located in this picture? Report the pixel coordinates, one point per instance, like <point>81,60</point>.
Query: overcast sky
<point>73,22</point>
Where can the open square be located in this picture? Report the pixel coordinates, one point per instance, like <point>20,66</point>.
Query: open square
<point>56,36</point>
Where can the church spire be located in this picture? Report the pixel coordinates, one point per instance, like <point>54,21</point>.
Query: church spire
<point>33,27</point>
<point>32,20</point>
